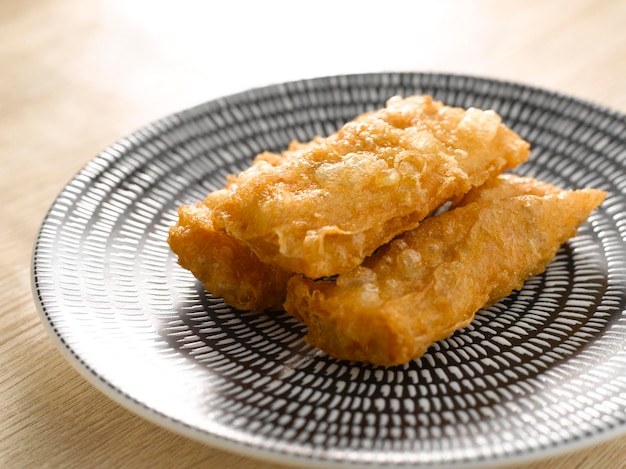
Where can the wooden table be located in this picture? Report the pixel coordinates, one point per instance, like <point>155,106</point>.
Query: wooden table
<point>76,76</point>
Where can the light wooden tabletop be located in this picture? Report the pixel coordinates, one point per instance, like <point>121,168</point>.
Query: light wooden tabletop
<point>77,76</point>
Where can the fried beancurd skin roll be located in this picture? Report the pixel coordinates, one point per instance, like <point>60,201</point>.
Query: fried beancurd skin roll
<point>225,266</point>
<point>321,214</point>
<point>430,281</point>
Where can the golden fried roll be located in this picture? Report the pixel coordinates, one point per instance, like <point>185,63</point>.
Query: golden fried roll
<point>225,266</point>
<point>322,213</point>
<point>430,281</point>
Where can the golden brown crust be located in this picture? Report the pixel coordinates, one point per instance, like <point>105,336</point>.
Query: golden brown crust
<point>430,281</point>
<point>226,267</point>
<point>508,185</point>
<point>344,196</point>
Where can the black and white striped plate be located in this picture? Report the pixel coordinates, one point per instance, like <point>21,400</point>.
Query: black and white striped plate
<point>542,371</point>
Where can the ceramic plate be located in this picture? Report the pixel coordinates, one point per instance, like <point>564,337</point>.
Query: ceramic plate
<point>540,372</point>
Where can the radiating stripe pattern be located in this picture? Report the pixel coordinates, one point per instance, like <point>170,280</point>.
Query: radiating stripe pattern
<point>542,370</point>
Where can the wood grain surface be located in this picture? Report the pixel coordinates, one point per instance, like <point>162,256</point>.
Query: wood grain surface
<point>76,76</point>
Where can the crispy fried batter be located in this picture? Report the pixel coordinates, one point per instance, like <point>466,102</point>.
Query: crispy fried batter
<point>322,213</point>
<point>430,281</point>
<point>508,185</point>
<point>226,267</point>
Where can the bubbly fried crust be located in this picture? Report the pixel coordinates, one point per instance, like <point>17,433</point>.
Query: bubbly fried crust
<point>508,185</point>
<point>430,281</point>
<point>225,266</point>
<point>322,213</point>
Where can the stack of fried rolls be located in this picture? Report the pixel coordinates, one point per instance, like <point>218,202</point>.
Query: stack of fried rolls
<point>385,236</point>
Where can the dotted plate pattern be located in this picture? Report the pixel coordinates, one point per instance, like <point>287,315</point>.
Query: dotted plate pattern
<point>540,372</point>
